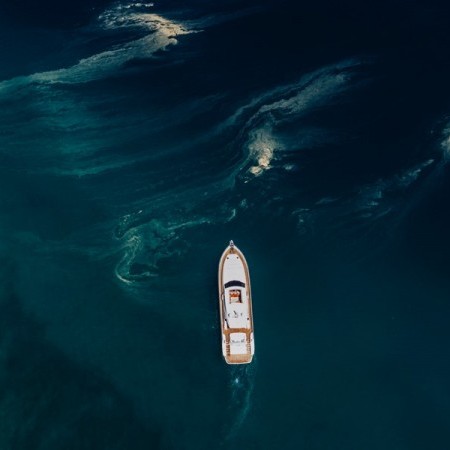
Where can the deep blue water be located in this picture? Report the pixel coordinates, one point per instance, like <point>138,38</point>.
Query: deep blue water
<point>136,139</point>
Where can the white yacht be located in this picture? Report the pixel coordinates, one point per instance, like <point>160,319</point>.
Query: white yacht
<point>235,302</point>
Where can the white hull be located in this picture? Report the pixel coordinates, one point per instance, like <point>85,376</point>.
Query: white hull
<point>235,303</point>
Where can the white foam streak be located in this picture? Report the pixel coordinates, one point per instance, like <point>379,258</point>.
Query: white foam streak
<point>410,176</point>
<point>311,95</point>
<point>262,146</point>
<point>163,34</point>
<point>445,145</point>
<point>286,104</point>
<point>372,196</point>
<point>310,90</point>
<point>131,248</point>
<point>160,33</point>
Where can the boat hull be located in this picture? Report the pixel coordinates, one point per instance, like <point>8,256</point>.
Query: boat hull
<point>235,305</point>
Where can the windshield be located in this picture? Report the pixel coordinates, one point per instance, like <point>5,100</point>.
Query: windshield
<point>234,283</point>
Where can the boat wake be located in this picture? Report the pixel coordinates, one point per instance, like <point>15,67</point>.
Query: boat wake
<point>241,385</point>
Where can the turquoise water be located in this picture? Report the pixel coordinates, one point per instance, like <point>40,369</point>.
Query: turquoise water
<point>137,139</point>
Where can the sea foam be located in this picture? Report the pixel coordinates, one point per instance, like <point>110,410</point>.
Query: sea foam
<point>155,34</point>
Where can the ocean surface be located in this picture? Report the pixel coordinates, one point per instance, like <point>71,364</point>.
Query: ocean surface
<point>137,139</point>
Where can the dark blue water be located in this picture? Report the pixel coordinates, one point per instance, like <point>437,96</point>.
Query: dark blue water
<point>136,139</point>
